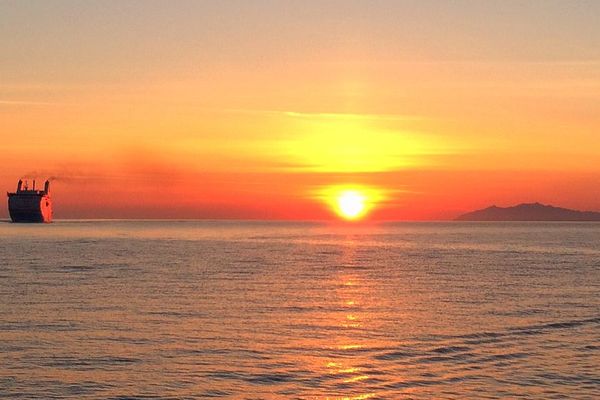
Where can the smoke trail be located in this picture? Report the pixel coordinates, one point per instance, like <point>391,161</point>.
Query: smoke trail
<point>68,177</point>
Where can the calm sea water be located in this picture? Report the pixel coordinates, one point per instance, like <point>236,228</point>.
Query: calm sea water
<point>256,310</point>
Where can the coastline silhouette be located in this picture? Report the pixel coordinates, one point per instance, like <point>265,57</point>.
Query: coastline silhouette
<point>529,212</point>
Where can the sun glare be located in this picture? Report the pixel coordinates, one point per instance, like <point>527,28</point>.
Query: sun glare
<point>351,204</point>
<point>355,143</point>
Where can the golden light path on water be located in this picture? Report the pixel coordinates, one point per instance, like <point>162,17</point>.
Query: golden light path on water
<point>351,294</point>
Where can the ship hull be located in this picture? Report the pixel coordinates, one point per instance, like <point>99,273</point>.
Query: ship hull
<point>29,208</point>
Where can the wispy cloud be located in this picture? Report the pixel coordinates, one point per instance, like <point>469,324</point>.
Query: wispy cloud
<point>30,103</point>
<point>319,115</point>
<point>353,116</point>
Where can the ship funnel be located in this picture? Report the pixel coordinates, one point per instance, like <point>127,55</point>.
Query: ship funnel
<point>47,187</point>
<point>19,185</point>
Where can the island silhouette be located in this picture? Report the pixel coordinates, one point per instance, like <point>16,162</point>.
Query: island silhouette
<point>529,212</point>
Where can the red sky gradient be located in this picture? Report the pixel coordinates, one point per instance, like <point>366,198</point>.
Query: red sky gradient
<point>206,110</point>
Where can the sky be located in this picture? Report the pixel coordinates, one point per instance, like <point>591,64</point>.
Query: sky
<point>270,109</point>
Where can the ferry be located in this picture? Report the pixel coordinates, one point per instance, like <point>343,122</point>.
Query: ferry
<point>30,205</point>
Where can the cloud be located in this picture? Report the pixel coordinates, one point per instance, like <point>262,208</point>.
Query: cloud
<point>352,116</point>
<point>30,103</point>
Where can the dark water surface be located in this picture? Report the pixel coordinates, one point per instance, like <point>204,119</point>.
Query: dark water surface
<point>256,310</point>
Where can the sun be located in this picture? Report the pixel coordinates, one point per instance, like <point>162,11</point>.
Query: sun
<point>351,204</point>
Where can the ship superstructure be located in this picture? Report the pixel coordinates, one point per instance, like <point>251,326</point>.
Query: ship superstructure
<point>29,204</point>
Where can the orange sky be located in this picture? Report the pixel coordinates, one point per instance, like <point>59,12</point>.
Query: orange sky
<point>256,109</point>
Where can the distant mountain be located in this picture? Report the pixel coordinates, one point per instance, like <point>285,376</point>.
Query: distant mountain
<point>529,212</point>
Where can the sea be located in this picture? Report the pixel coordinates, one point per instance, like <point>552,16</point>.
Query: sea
<point>299,310</point>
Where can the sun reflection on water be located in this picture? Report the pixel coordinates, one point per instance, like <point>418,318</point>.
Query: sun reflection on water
<point>353,294</point>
